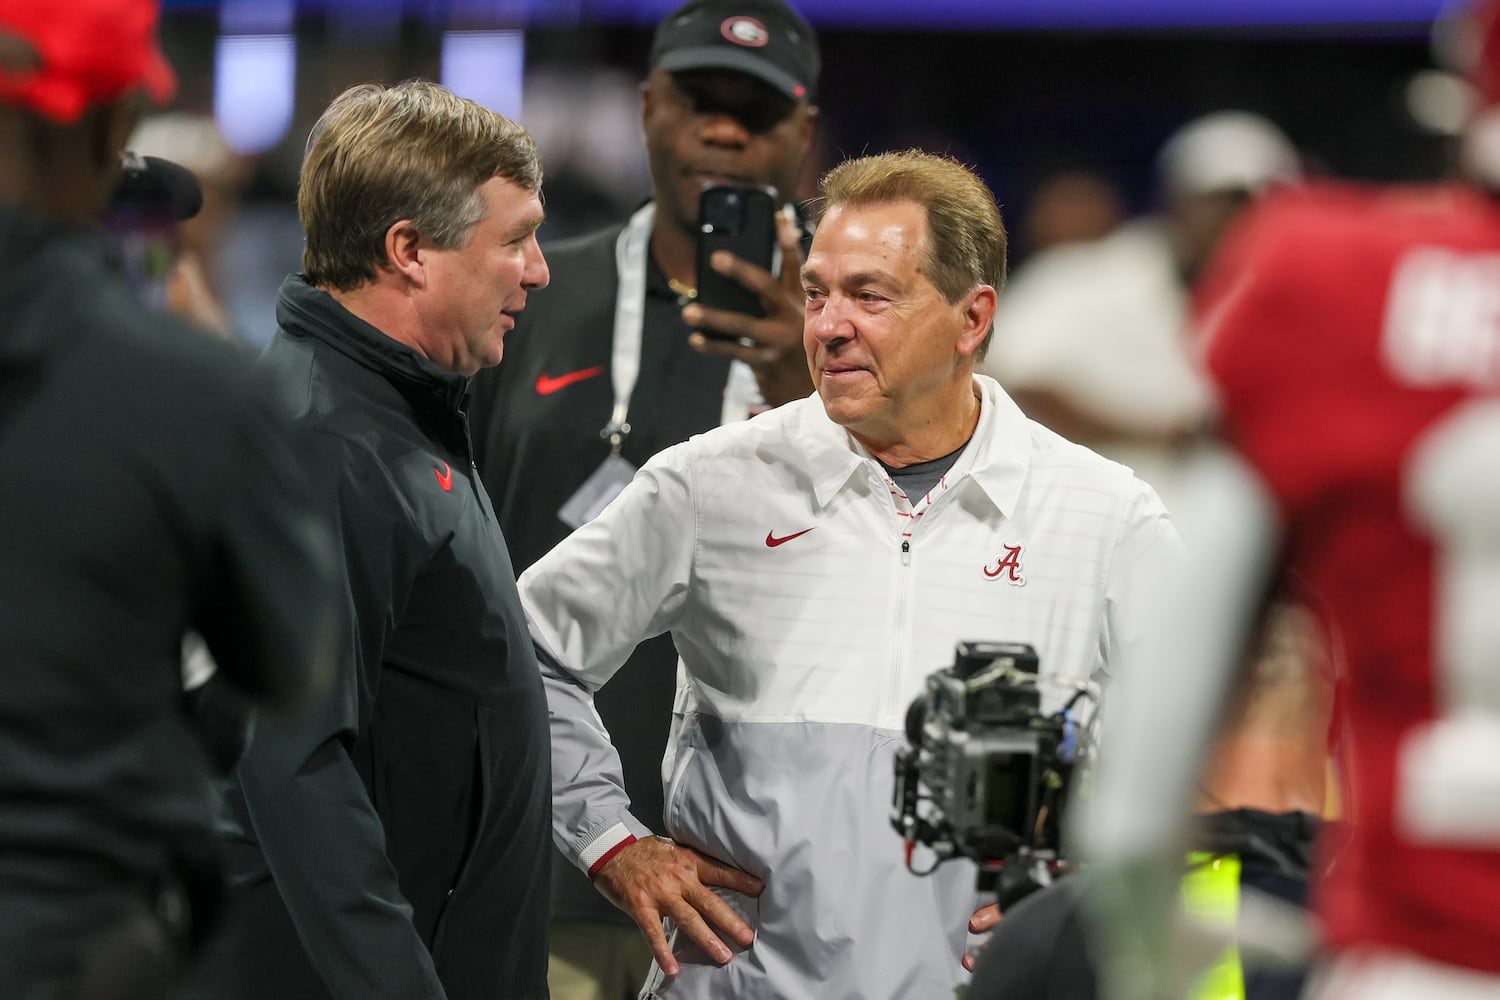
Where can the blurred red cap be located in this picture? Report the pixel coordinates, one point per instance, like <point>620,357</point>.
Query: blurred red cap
<point>61,57</point>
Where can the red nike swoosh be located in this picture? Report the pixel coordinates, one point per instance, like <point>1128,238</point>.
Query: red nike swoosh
<point>546,384</point>
<point>772,541</point>
<point>444,478</point>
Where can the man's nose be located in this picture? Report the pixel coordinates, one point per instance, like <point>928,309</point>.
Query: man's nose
<point>831,322</point>
<point>719,128</point>
<point>536,273</point>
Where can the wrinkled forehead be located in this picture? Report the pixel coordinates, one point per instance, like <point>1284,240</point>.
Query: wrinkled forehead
<point>885,226</point>
<point>889,238</point>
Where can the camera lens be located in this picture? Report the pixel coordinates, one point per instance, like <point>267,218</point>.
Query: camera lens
<point>723,211</point>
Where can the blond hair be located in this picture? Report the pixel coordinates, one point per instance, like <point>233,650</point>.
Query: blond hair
<point>965,234</point>
<point>414,151</point>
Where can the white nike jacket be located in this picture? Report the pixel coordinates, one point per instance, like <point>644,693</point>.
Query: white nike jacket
<point>772,551</point>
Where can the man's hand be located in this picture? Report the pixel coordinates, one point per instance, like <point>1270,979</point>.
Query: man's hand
<point>772,346</point>
<point>655,878</point>
<point>982,922</point>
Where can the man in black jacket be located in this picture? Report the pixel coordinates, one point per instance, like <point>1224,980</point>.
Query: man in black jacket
<point>147,489</point>
<point>393,842</point>
<point>729,98</point>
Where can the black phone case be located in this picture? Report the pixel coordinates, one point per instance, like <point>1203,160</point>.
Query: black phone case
<point>741,220</point>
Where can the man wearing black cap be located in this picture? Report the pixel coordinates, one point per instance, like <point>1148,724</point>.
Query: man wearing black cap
<point>154,197</point>
<point>148,490</point>
<point>728,99</point>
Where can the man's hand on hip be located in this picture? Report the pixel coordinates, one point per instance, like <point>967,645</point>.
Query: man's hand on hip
<point>655,878</point>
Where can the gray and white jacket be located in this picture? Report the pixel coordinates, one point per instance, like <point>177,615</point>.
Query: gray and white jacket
<point>808,605</point>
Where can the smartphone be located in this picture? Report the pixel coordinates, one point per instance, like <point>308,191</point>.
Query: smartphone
<point>741,220</point>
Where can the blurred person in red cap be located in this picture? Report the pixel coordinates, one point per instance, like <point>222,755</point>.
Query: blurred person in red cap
<point>729,98</point>
<point>149,491</point>
<point>1353,338</point>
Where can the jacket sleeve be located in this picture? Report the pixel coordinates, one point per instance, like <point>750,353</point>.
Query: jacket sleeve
<point>267,562</point>
<point>615,581</point>
<point>1147,559</point>
<point>1166,704</point>
<point>319,833</point>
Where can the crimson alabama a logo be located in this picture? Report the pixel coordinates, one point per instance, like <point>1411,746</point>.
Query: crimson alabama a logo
<point>1007,567</point>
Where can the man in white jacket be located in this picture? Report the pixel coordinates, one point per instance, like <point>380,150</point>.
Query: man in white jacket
<point>813,566</point>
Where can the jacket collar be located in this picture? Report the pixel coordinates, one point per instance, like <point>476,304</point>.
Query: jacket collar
<point>305,311</point>
<point>997,457</point>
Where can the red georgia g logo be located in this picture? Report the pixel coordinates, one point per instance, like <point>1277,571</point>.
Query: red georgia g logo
<point>745,31</point>
<point>1007,567</point>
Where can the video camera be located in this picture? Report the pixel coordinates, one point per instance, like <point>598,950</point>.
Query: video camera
<point>986,772</point>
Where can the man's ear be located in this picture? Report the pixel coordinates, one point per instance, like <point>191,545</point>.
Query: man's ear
<point>404,250</point>
<point>810,124</point>
<point>978,314</point>
<point>18,57</point>
<point>102,133</point>
<point>119,120</point>
<point>646,99</point>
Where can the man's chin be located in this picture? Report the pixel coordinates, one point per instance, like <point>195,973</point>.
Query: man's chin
<point>840,408</point>
<point>492,353</point>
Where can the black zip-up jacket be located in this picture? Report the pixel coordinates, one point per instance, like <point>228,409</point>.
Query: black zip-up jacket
<point>406,820</point>
<point>146,488</point>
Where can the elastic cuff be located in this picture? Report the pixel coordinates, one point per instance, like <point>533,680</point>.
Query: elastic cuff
<point>606,846</point>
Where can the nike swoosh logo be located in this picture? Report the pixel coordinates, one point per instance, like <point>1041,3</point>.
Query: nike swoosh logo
<point>546,384</point>
<point>772,541</point>
<point>444,478</point>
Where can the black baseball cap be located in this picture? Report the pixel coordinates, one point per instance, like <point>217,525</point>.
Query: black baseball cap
<point>764,38</point>
<point>151,187</point>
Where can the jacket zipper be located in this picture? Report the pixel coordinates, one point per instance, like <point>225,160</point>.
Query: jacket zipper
<point>903,631</point>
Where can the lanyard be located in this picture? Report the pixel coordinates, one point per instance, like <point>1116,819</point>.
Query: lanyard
<point>630,314</point>
<point>741,394</point>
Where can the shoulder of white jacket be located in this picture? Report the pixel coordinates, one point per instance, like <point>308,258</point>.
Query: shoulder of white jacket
<point>746,436</point>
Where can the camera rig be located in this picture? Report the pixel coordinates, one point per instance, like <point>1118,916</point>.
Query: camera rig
<point>986,772</point>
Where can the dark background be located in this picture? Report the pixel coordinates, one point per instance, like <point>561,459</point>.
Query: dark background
<point>1018,104</point>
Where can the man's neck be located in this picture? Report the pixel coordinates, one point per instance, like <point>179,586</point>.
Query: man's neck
<point>947,429</point>
<point>675,250</point>
<point>383,308</point>
<point>45,170</point>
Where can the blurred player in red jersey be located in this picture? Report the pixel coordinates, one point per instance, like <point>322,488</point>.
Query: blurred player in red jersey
<point>1353,336</point>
